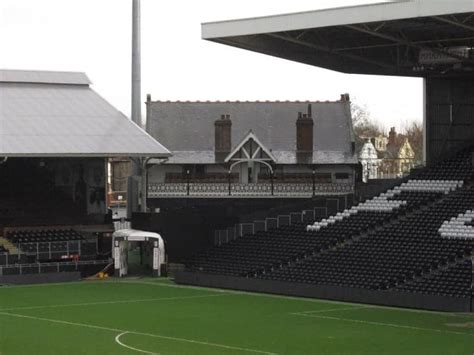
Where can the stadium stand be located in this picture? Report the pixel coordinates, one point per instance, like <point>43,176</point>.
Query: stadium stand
<point>454,281</point>
<point>398,241</point>
<point>43,236</point>
<point>48,243</point>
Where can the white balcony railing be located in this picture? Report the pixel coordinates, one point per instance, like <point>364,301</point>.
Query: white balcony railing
<point>160,190</point>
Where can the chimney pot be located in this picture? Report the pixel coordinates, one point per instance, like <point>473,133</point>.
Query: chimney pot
<point>345,97</point>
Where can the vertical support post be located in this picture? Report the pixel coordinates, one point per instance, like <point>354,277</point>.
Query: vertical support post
<point>230,181</point>
<point>187,182</point>
<point>117,256</point>
<point>314,182</point>
<point>144,186</point>
<point>425,124</point>
<point>156,260</point>
<point>271,181</point>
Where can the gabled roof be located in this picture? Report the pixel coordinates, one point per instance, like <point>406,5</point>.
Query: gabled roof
<point>393,150</point>
<point>368,151</point>
<point>58,114</point>
<point>187,128</point>
<point>249,137</point>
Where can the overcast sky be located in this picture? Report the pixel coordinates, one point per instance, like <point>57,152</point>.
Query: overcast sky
<point>94,36</point>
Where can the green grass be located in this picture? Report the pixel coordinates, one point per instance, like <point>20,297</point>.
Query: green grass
<point>159,317</point>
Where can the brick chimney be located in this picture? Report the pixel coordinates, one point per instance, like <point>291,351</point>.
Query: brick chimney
<point>304,136</point>
<point>223,137</point>
<point>392,137</point>
<point>345,98</point>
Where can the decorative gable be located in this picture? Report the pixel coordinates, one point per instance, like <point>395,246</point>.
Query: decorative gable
<point>250,148</point>
<point>406,151</point>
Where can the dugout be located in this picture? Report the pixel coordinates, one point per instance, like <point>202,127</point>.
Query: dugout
<point>427,39</point>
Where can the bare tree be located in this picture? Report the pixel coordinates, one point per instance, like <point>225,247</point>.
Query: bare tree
<point>364,125</point>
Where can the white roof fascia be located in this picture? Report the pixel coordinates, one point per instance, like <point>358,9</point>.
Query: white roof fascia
<point>385,11</point>
<point>135,234</point>
<point>43,77</point>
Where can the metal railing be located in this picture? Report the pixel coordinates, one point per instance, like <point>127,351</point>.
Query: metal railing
<point>49,250</point>
<point>39,268</point>
<point>156,190</point>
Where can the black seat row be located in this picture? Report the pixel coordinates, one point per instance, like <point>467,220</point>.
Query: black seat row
<point>399,249</point>
<point>40,236</point>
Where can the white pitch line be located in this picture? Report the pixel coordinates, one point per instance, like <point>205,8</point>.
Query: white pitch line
<point>330,310</point>
<point>159,283</point>
<point>301,299</point>
<point>117,340</point>
<point>116,330</point>
<point>109,302</point>
<point>380,323</point>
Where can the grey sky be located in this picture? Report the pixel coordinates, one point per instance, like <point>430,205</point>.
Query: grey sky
<point>94,36</point>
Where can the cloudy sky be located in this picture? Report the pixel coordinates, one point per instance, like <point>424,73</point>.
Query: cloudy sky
<point>94,36</point>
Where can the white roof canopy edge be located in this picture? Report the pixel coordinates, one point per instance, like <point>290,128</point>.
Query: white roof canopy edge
<point>136,235</point>
<point>384,11</point>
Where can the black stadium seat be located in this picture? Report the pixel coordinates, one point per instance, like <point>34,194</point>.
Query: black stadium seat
<point>389,243</point>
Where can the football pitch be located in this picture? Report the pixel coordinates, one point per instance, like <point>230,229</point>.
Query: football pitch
<point>149,316</point>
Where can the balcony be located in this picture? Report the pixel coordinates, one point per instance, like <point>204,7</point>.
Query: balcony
<point>238,190</point>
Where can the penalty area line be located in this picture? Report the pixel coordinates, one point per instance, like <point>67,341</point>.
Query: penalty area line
<point>379,323</point>
<point>330,310</point>
<point>294,298</point>
<point>158,336</point>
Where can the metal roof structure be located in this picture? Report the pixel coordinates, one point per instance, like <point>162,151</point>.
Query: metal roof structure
<point>187,128</point>
<point>57,114</point>
<point>420,38</point>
